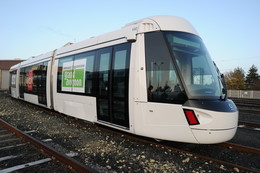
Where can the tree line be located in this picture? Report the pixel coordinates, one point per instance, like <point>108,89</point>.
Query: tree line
<point>238,80</point>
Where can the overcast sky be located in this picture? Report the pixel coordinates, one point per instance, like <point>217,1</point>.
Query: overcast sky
<point>230,29</point>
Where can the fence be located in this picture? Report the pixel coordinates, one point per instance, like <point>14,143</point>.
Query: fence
<point>248,94</point>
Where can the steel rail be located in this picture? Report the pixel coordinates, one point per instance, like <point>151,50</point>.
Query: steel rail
<point>70,162</point>
<point>251,124</point>
<point>240,147</point>
<point>249,111</point>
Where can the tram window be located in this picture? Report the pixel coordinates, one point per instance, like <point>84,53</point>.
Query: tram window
<point>103,87</point>
<point>33,81</point>
<point>201,72</point>
<point>75,74</point>
<point>89,70</point>
<point>120,77</point>
<point>36,76</point>
<point>62,62</point>
<point>119,73</point>
<point>13,79</point>
<point>162,81</point>
<point>42,76</point>
<point>27,69</point>
<point>196,67</point>
<point>22,82</point>
<point>104,73</point>
<point>112,84</point>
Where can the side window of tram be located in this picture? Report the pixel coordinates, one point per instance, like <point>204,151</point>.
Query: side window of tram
<point>120,76</point>
<point>13,79</point>
<point>42,77</point>
<point>104,73</point>
<point>22,83</point>
<point>64,64</point>
<point>33,81</point>
<point>103,83</point>
<point>162,81</point>
<point>75,74</point>
<point>87,59</point>
<point>120,71</point>
<point>28,82</point>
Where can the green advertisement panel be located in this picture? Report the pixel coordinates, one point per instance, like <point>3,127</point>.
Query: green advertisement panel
<point>73,76</point>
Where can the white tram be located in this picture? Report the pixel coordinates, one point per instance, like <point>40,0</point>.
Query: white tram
<point>153,78</point>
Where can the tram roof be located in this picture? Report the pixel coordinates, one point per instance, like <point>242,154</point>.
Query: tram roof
<point>127,33</point>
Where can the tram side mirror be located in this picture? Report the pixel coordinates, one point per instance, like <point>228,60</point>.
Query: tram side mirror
<point>222,76</point>
<point>223,80</point>
<point>224,94</point>
<point>224,90</point>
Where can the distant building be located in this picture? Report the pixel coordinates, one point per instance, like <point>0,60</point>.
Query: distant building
<point>4,72</point>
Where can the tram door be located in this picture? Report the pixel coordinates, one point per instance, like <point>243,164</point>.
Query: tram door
<point>113,77</point>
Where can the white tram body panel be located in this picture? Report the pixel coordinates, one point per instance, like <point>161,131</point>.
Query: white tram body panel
<point>130,85</point>
<point>162,121</point>
<point>74,105</point>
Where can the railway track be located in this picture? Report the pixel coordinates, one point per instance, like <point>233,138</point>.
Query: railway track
<point>251,111</point>
<point>21,152</point>
<point>240,147</point>
<point>248,105</point>
<point>249,124</point>
<point>247,102</point>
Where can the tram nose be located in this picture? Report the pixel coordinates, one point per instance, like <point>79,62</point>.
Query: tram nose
<point>210,127</point>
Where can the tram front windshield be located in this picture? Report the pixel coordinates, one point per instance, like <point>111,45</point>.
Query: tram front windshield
<point>195,65</point>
